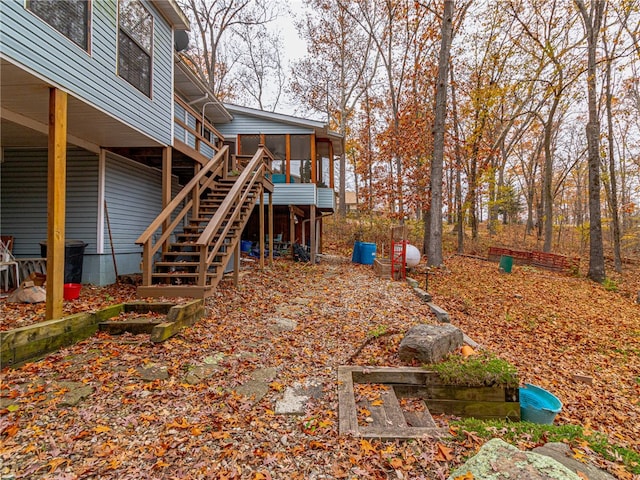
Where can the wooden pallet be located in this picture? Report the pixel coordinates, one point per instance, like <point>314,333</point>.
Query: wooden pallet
<point>393,414</point>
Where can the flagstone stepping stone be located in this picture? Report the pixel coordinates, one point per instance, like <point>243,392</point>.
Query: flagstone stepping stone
<point>214,359</point>
<point>200,373</point>
<point>258,386</point>
<point>498,460</point>
<point>282,324</point>
<point>295,398</point>
<point>253,389</point>
<point>76,393</point>
<point>267,374</point>
<point>150,373</point>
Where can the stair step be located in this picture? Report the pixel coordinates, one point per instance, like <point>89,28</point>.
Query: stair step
<point>183,264</point>
<point>167,257</point>
<point>181,275</point>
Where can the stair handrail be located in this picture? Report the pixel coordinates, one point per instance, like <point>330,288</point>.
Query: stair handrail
<point>210,170</point>
<point>255,170</point>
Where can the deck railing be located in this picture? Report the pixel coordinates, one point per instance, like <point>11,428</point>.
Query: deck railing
<point>190,127</point>
<point>171,217</point>
<point>231,208</point>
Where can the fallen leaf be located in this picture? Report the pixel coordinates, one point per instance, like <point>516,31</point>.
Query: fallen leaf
<point>365,446</point>
<point>466,476</point>
<point>443,453</point>
<point>56,462</point>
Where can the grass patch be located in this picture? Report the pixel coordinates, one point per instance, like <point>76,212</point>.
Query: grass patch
<point>483,369</point>
<point>610,285</point>
<point>533,434</point>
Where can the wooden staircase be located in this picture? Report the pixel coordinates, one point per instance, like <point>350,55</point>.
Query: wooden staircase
<point>191,262</point>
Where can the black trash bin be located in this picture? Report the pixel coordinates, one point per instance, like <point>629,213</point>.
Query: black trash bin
<point>73,258</point>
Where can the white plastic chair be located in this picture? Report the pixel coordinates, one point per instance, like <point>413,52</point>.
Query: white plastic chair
<point>7,264</point>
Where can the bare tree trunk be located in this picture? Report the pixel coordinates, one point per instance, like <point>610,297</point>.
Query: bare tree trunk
<point>459,208</point>
<point>434,254</point>
<point>592,21</point>
<point>547,183</point>
<point>613,200</point>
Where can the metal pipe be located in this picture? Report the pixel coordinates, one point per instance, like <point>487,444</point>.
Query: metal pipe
<point>202,115</point>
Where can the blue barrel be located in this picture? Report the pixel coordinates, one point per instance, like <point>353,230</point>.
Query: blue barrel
<point>367,253</point>
<point>355,257</point>
<point>245,246</point>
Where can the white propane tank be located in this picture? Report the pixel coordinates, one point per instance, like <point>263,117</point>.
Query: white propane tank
<point>412,256</point>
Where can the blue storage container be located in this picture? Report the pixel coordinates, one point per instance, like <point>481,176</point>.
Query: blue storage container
<point>245,246</point>
<point>367,253</point>
<point>538,405</point>
<point>355,256</point>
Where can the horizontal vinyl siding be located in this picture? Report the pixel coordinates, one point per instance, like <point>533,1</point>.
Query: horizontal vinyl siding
<point>326,198</point>
<point>92,76</point>
<point>245,124</point>
<point>293,194</point>
<point>23,198</point>
<point>134,199</point>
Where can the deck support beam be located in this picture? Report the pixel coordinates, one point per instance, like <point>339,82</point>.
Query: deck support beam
<point>312,234</point>
<point>56,199</point>
<point>261,217</point>
<point>166,189</point>
<point>293,211</point>
<point>270,229</point>
<point>236,264</point>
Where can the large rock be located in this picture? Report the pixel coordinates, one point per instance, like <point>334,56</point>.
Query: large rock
<point>497,460</point>
<point>429,343</point>
<point>563,454</point>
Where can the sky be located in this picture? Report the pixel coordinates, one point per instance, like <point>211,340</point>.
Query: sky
<point>294,47</point>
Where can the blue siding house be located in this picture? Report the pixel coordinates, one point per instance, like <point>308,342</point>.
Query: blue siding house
<point>102,75</point>
<point>303,169</point>
<point>108,140</point>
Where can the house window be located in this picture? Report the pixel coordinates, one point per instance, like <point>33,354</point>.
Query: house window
<point>69,17</point>
<point>135,40</point>
<point>277,145</point>
<point>300,159</point>
<point>323,163</point>
<point>249,144</point>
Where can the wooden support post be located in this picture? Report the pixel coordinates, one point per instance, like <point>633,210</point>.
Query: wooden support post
<point>166,189</point>
<point>292,229</point>
<point>287,156</point>
<point>261,216</point>
<point>312,234</point>
<point>270,229</point>
<point>236,264</point>
<point>56,198</point>
<point>293,211</point>
<point>195,209</point>
<point>331,167</point>
<point>314,160</point>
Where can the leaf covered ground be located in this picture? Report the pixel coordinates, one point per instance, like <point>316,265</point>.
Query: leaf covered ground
<point>550,326</point>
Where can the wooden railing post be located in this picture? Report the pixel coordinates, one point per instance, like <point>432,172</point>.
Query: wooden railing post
<point>147,263</point>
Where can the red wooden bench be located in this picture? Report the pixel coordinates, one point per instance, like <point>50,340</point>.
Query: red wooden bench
<point>549,261</point>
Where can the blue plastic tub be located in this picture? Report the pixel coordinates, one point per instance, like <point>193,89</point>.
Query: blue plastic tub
<point>355,257</point>
<point>245,246</point>
<point>367,253</point>
<point>538,405</point>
